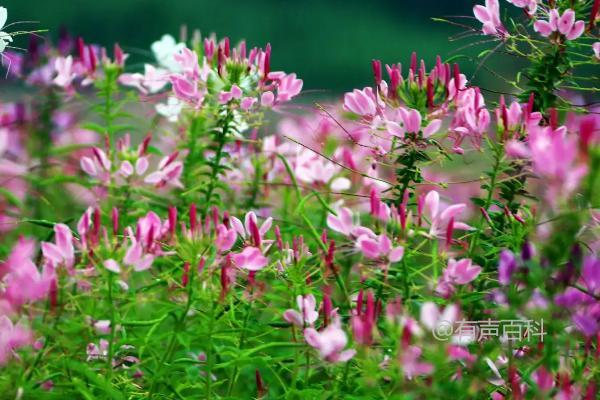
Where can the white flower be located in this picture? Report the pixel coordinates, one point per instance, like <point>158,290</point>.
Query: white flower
<point>171,109</point>
<point>5,38</point>
<point>164,50</point>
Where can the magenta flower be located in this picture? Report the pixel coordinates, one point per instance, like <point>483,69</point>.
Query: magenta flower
<point>251,258</point>
<point>226,238</point>
<point>288,86</point>
<point>596,48</point>
<point>361,102</point>
<point>168,173</point>
<point>330,342</point>
<point>457,273</point>
<point>378,247</point>
<point>61,253</point>
<point>235,93</point>
<point>554,155</point>
<point>308,313</point>
<point>506,267</point>
<point>565,25</point>
<point>134,257</point>
<point>439,217</point>
<point>531,5</point>
<point>23,282</point>
<point>411,120</point>
<point>489,16</point>
<point>411,364</point>
<point>12,337</point>
<point>590,274</point>
<point>250,228</point>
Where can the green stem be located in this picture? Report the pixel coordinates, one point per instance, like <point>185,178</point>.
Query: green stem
<point>498,153</point>
<point>234,375</point>
<point>111,339</point>
<point>221,139</point>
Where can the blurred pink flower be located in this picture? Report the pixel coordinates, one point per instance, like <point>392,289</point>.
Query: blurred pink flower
<point>378,247</point>
<point>12,337</point>
<point>330,342</point>
<point>308,313</point>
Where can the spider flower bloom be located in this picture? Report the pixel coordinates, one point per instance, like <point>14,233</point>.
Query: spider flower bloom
<point>378,247</point>
<point>361,102</point>
<point>12,337</point>
<point>61,253</point>
<point>489,16</point>
<point>440,218</point>
<point>457,273</point>
<point>250,229</point>
<point>565,24</point>
<point>22,281</point>
<point>530,5</point>
<point>308,313</point>
<point>251,259</point>
<point>554,159</point>
<point>225,238</point>
<point>330,342</point>
<point>410,362</point>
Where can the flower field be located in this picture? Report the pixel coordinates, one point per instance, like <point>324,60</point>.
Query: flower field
<point>193,228</point>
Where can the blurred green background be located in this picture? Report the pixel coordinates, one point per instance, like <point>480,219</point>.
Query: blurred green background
<point>328,43</point>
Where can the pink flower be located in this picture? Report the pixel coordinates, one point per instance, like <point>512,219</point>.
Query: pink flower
<point>235,93</point>
<point>267,99</point>
<point>308,311</point>
<point>247,103</point>
<point>12,337</point>
<point>61,253</point>
<point>134,257</point>
<point>112,266</point>
<point>225,238</point>
<point>152,81</point>
<point>378,247</point>
<point>440,218</point>
<point>531,5</point>
<point>251,258</point>
<point>169,171</point>
<point>288,87</point>
<point>489,16</point>
<point>97,352</point>
<point>188,63</point>
<point>461,272</point>
<point>554,155</point>
<point>410,364</point>
<point>250,229</point>
<point>564,24</point>
<point>330,342</point>
<point>341,223</point>
<point>65,73</point>
<point>596,47</point>
<point>361,102</point>
<point>187,90</point>
<point>99,165</point>
<point>457,273</point>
